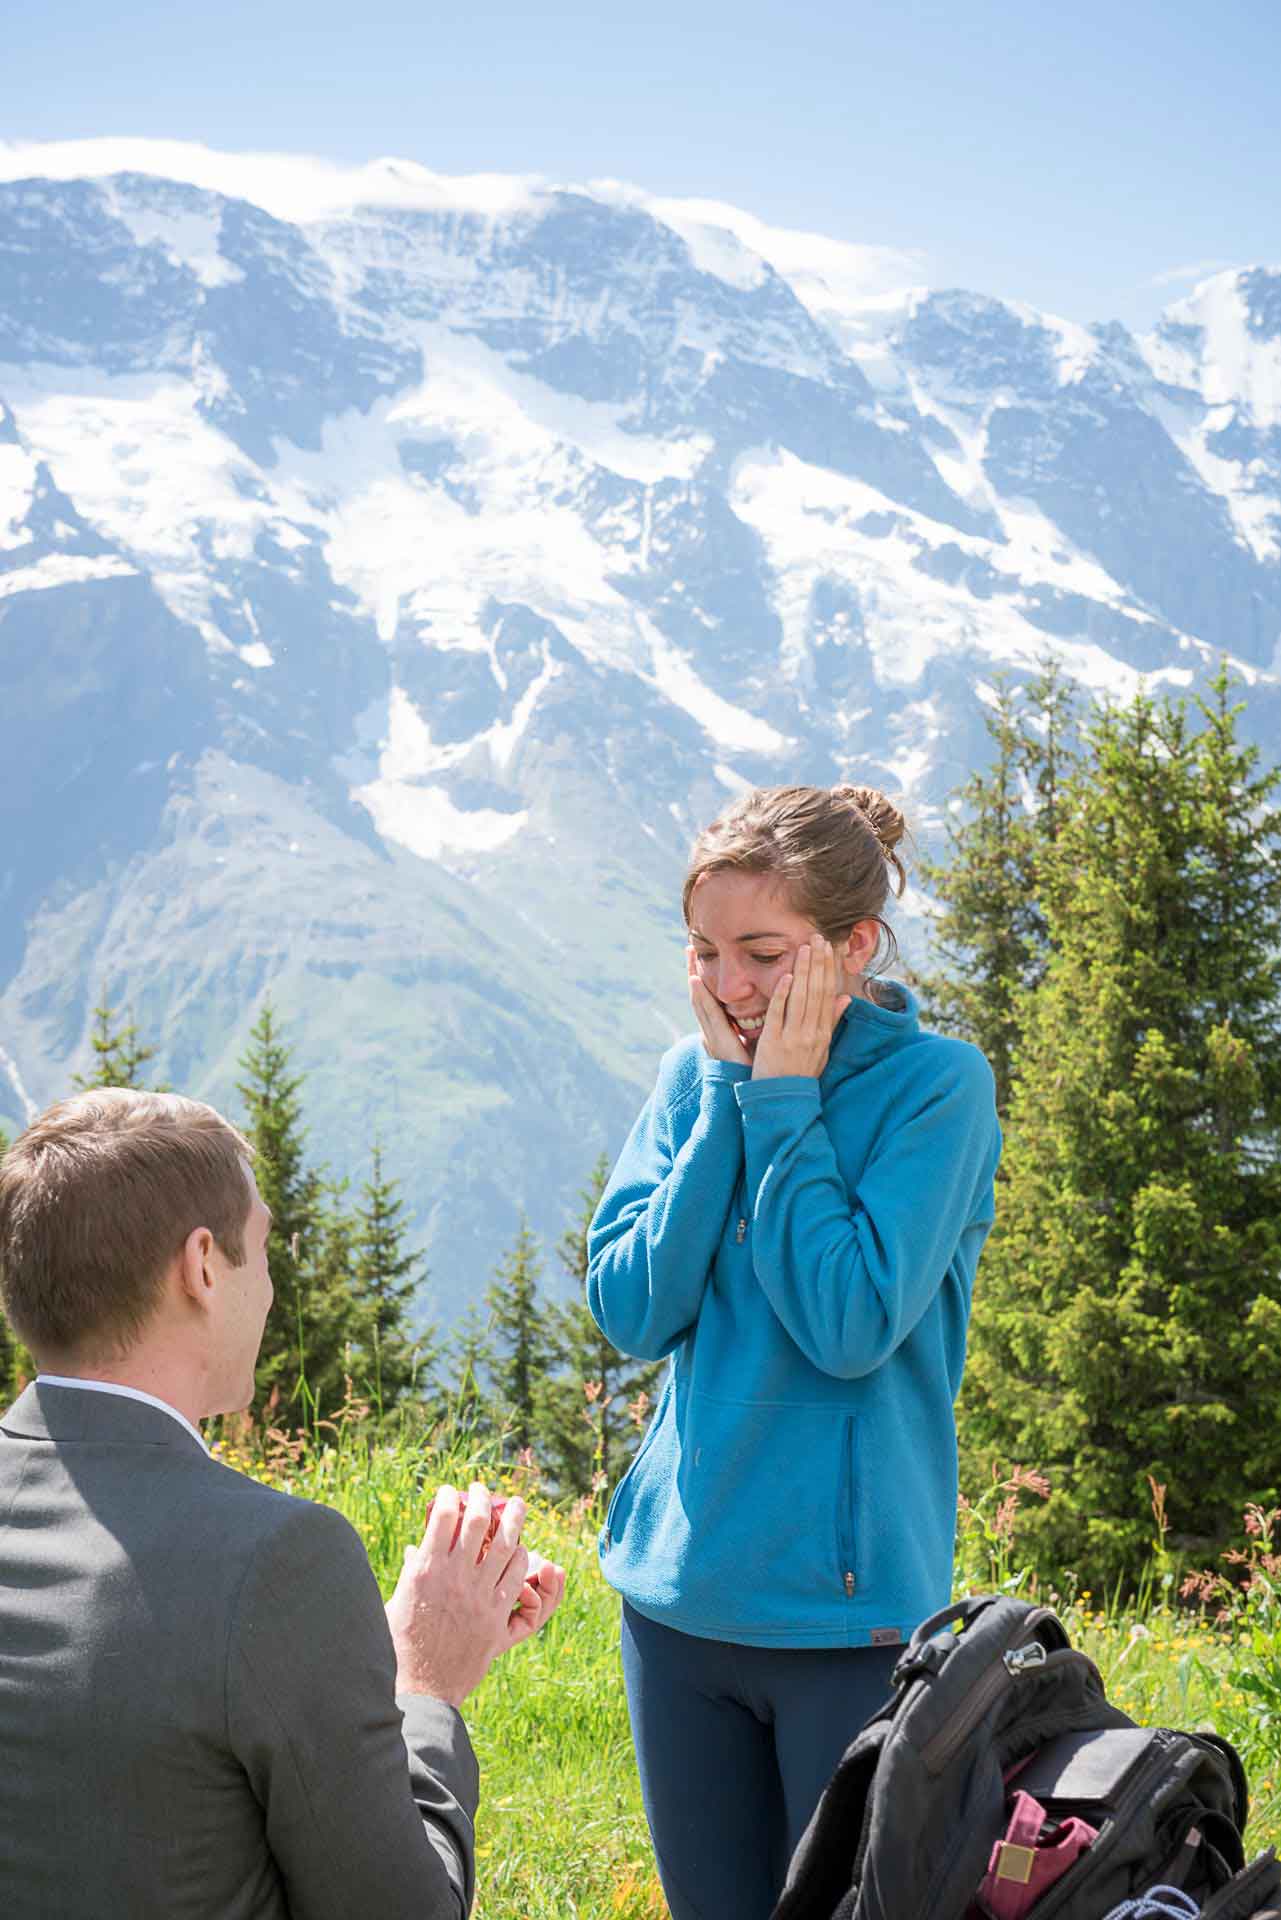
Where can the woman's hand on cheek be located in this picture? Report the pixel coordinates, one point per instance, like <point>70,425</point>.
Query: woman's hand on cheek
<point>719,1037</point>
<point>803,1011</point>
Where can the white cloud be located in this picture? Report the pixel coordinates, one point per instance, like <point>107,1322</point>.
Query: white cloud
<point>842,282</point>
<point>294,187</point>
<point>1199,270</point>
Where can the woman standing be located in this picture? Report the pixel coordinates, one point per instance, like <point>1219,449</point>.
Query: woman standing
<point>796,1218</point>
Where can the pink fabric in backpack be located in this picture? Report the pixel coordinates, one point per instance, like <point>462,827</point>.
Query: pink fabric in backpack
<point>1023,1864</point>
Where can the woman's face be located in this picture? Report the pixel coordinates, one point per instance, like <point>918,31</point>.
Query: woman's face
<point>745,936</point>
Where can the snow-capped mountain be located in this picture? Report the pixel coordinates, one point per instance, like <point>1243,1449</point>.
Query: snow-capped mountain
<point>395,571</point>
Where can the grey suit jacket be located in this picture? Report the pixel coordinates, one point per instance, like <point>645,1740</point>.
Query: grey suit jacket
<point>197,1709</point>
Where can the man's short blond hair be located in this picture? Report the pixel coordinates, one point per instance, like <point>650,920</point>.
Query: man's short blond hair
<point>97,1196</point>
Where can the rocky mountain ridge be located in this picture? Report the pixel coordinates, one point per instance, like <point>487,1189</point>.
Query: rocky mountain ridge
<point>394,575</point>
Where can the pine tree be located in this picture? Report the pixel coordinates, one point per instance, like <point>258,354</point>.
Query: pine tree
<point>118,1054</point>
<point>1050,742</point>
<point>332,1320</point>
<point>592,1410</point>
<point>387,1278</point>
<point>1129,1303</point>
<point>468,1407</point>
<point>990,934</point>
<point>302,1358</point>
<point>518,1330</point>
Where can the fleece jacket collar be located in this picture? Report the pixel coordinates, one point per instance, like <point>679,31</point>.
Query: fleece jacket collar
<point>867,1032</point>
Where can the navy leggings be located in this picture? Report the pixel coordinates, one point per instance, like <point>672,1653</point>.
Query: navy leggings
<point>734,1745</point>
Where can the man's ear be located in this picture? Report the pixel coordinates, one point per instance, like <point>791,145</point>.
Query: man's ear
<point>197,1270</point>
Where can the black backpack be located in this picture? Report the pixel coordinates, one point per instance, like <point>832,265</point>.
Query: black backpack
<point>906,1828</point>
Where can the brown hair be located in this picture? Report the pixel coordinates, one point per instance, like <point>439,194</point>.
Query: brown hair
<point>831,848</point>
<point>96,1198</point>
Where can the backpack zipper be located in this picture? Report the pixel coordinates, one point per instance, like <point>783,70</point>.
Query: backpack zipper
<point>1013,1659</point>
<point>992,1683</point>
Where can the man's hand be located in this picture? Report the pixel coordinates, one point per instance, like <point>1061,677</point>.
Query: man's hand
<point>802,1016</point>
<point>464,1598</point>
<point>719,1037</point>
<point>542,1593</point>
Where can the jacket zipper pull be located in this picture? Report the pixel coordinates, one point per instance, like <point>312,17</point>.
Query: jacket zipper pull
<point>740,1232</point>
<point>849,1586</point>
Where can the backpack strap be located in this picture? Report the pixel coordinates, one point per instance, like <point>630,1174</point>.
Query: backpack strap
<point>1252,1894</point>
<point>935,1638</point>
<point>823,1866</point>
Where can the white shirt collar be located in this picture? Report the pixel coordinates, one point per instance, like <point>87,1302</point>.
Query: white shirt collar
<point>126,1393</point>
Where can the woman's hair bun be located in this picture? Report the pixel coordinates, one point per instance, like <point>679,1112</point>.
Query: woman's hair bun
<point>885,820</point>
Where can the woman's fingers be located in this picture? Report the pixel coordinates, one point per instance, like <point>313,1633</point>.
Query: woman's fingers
<point>803,1010</point>
<point>823,1011</point>
<point>776,1012</point>
<point>810,1013</point>
<point>719,1036</point>
<point>820,987</point>
<point>805,997</point>
<point>705,1013</point>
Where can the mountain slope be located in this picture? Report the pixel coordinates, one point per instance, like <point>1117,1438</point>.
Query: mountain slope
<point>395,573</point>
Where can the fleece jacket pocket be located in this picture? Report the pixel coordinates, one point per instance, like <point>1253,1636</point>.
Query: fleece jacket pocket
<point>750,1547</point>
<point>847,1482</point>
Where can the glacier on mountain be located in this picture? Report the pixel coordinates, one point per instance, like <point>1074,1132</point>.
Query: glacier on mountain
<point>395,571</point>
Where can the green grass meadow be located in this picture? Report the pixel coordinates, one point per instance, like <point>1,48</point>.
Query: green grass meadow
<point>561,1834</point>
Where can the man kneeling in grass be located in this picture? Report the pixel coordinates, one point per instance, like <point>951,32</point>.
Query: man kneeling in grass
<point>204,1708</point>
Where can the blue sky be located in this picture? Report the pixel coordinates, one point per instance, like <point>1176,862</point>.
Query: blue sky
<point>1070,155</point>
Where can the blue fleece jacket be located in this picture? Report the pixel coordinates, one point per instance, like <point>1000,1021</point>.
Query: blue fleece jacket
<point>805,1251</point>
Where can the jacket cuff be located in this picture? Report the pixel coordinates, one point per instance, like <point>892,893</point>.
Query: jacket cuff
<point>437,1735</point>
<point>725,1073</point>
<point>802,1088</point>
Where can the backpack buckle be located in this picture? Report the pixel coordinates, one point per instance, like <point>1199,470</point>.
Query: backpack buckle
<point>927,1658</point>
